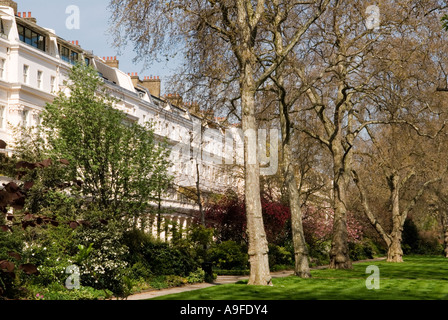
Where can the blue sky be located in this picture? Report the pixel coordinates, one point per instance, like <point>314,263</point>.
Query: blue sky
<point>92,34</point>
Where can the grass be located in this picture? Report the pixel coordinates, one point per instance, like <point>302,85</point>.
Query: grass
<point>418,278</point>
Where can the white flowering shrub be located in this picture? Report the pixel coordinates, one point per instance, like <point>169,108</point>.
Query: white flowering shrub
<point>105,266</point>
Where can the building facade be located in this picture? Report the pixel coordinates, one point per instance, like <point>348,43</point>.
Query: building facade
<point>35,62</point>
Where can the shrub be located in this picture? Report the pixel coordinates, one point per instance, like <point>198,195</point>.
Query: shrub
<point>57,291</point>
<point>152,256</point>
<point>197,276</point>
<point>410,237</point>
<point>105,266</point>
<point>361,250</point>
<point>415,242</point>
<point>9,242</point>
<point>319,252</point>
<point>229,255</point>
<point>280,257</point>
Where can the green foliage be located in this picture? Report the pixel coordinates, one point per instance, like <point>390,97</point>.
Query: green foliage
<point>280,257</point>
<point>161,258</point>
<point>410,237</point>
<point>10,242</point>
<point>319,253</point>
<point>229,255</point>
<point>197,276</point>
<point>103,171</point>
<point>414,243</point>
<point>360,250</point>
<point>56,291</point>
<point>118,161</point>
<point>51,250</point>
<point>103,267</point>
<point>201,239</point>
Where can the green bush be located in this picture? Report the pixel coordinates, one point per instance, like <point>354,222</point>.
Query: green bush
<point>360,251</point>
<point>10,242</point>
<point>319,253</point>
<point>410,237</point>
<point>229,255</point>
<point>415,242</point>
<point>429,246</point>
<point>197,276</point>
<point>56,291</point>
<point>158,257</point>
<point>140,271</point>
<point>52,252</point>
<point>105,267</point>
<point>280,258</point>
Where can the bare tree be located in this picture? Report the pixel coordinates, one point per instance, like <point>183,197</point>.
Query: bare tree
<point>223,33</point>
<point>407,152</point>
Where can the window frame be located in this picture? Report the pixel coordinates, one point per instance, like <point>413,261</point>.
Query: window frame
<point>40,77</point>
<point>25,118</point>
<point>52,84</point>
<point>32,38</point>
<point>26,75</point>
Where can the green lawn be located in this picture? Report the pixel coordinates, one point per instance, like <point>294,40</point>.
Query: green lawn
<point>419,277</point>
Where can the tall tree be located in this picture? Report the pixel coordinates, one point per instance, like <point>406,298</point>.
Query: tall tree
<point>119,163</point>
<point>223,33</point>
<point>404,152</point>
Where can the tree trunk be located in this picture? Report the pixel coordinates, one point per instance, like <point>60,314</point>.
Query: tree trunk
<point>302,268</point>
<point>258,244</point>
<point>394,251</point>
<point>339,253</point>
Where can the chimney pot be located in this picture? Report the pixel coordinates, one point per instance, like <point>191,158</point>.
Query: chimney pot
<point>77,42</point>
<point>19,14</point>
<point>29,14</point>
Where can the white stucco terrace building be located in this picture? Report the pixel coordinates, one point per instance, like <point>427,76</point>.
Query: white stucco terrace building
<point>34,62</point>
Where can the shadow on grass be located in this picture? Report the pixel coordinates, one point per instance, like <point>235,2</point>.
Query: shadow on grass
<point>418,278</point>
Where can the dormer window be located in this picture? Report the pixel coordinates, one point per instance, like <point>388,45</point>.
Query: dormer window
<point>68,55</point>
<point>30,37</point>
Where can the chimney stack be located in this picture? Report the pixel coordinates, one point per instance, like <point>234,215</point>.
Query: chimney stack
<point>175,99</point>
<point>153,84</point>
<point>112,62</point>
<point>29,17</point>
